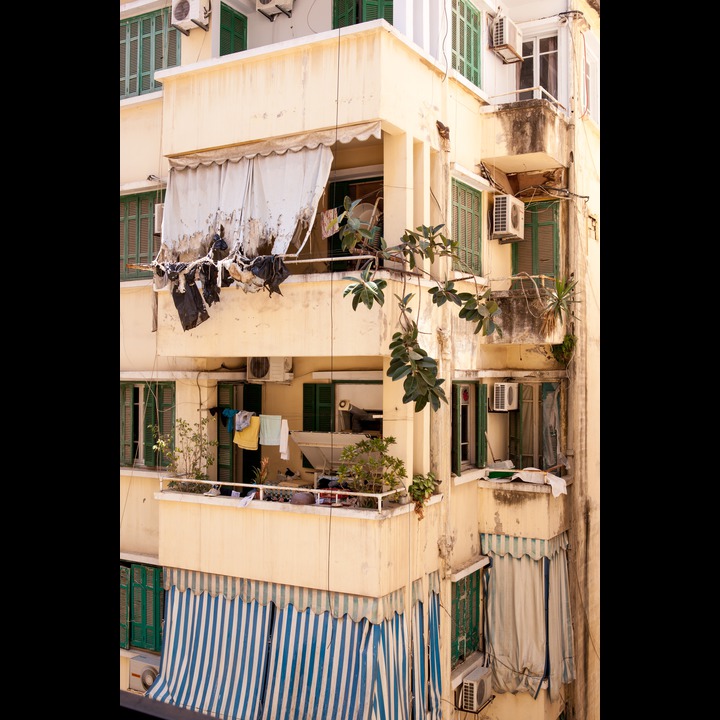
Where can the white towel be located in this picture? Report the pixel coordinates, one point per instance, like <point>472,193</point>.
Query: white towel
<point>284,435</point>
<point>270,429</point>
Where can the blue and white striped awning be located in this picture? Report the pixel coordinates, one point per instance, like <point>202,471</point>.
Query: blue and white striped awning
<point>337,604</point>
<point>247,660</point>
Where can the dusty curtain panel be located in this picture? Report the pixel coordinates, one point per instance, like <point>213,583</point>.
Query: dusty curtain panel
<point>214,654</point>
<point>527,582</point>
<point>264,203</point>
<point>329,668</point>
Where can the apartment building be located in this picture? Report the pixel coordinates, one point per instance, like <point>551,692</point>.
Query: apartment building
<point>254,136</point>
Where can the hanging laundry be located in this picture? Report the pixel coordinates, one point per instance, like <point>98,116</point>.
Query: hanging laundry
<point>284,435</point>
<point>229,414</point>
<point>270,429</point>
<point>242,419</point>
<point>247,439</point>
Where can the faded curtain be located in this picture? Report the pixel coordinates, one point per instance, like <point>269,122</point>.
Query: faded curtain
<point>247,650</point>
<point>528,629</point>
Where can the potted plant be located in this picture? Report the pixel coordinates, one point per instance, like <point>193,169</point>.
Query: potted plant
<point>189,454</point>
<point>421,488</point>
<point>368,467</point>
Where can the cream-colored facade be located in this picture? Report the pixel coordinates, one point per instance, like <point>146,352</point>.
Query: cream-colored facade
<point>298,82</point>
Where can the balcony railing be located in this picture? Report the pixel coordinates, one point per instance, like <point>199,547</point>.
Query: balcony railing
<point>336,497</point>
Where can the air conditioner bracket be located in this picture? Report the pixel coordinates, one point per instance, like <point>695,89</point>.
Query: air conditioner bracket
<point>271,18</point>
<point>204,26</point>
<point>480,709</point>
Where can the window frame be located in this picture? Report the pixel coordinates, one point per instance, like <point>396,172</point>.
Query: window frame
<point>590,81</point>
<point>467,41</point>
<point>467,226</point>
<point>143,404</point>
<point>473,429</point>
<point>353,12</point>
<point>466,624</point>
<point>138,242</point>
<point>535,233</point>
<point>531,396</point>
<point>142,606</point>
<point>233,30</point>
<point>137,77</point>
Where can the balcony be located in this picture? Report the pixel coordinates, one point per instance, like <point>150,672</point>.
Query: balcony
<point>522,319</point>
<point>528,137</point>
<point>355,551</point>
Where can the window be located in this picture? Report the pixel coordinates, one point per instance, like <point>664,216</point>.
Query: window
<point>466,40</point>
<point>236,464</point>
<point>590,90</point>
<point>138,244</point>
<point>538,253</point>
<point>535,427</point>
<point>143,405</point>
<point>467,226</point>
<point>469,423</point>
<point>147,43</point>
<point>539,67</point>
<point>233,31</point>
<point>466,623</point>
<point>351,12</point>
<point>367,190</point>
<point>142,606</point>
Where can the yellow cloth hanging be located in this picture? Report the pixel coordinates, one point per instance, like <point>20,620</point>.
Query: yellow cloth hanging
<point>247,438</point>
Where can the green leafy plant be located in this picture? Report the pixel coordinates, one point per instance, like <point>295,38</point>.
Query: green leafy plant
<point>189,454</point>
<point>409,361</point>
<point>368,467</point>
<point>558,306</point>
<point>421,488</point>
<point>563,352</point>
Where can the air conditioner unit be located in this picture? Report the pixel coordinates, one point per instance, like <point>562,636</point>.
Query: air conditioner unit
<point>158,215</point>
<point>507,40</point>
<point>476,689</point>
<point>271,8</point>
<point>505,396</point>
<point>143,671</point>
<point>508,219</point>
<point>268,369</point>
<point>190,14</point>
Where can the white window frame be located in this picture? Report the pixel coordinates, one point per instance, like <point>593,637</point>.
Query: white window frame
<point>535,31</point>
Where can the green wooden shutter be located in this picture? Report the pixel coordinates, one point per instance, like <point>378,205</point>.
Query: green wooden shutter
<point>465,622</point>
<point>252,401</point>
<point>138,243</point>
<point>456,443</point>
<point>147,600</point>
<point>481,424</point>
<point>147,43</point>
<point>538,253</point>
<point>515,427</point>
<point>127,409</point>
<point>233,31</point>
<point>344,13</point>
<point>226,447</point>
<point>467,227</point>
<point>129,32</point>
<point>318,407</point>
<point>318,410</point>
<point>159,409</point>
<point>466,40</point>
<point>124,607</point>
<point>374,9</point>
